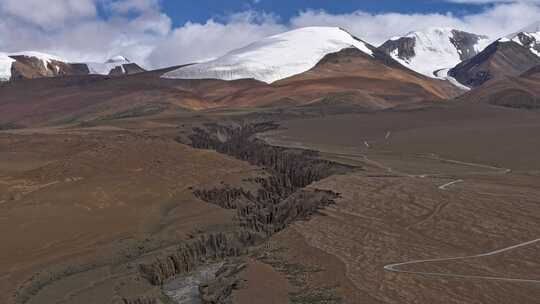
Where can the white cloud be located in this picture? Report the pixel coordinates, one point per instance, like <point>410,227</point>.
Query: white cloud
<point>48,14</point>
<point>136,29</point>
<point>141,31</point>
<point>195,41</point>
<point>72,29</point>
<point>495,21</point>
<point>375,29</point>
<point>127,6</point>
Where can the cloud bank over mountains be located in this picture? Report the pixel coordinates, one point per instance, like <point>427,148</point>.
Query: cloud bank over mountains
<point>94,30</point>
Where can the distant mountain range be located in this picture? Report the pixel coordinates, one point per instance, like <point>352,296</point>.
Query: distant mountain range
<point>464,59</point>
<point>312,67</point>
<point>29,65</point>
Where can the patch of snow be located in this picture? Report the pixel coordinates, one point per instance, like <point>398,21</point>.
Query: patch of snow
<point>518,41</point>
<point>206,59</point>
<point>104,68</point>
<point>6,61</point>
<point>482,44</point>
<point>45,58</point>
<point>443,74</point>
<point>532,31</point>
<point>276,57</point>
<point>5,67</point>
<point>435,51</point>
<point>118,58</point>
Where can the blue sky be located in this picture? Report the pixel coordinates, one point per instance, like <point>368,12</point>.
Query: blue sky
<point>182,11</point>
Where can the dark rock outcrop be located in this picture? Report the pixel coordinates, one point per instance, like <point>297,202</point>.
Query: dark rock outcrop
<point>140,301</point>
<point>292,168</point>
<point>280,198</point>
<point>126,69</point>
<point>404,47</point>
<point>529,41</point>
<point>228,198</point>
<point>466,43</point>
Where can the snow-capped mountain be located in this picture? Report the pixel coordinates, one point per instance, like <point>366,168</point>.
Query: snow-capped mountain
<point>528,37</point>
<point>31,64</point>
<point>117,65</point>
<point>104,68</point>
<point>508,56</point>
<point>434,49</point>
<point>44,58</point>
<point>276,57</point>
<point>46,61</point>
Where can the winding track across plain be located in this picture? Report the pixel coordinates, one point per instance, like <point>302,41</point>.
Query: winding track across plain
<point>395,267</point>
<point>445,186</point>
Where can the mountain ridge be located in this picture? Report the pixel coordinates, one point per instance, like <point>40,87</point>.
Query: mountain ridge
<point>433,49</point>
<point>276,57</point>
<point>511,55</point>
<point>32,64</point>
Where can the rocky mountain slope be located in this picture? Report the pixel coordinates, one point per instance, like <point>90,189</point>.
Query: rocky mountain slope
<point>276,57</point>
<point>508,56</point>
<point>30,65</point>
<point>514,92</point>
<point>434,49</point>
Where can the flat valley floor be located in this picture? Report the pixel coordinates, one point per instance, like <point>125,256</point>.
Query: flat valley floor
<point>82,206</point>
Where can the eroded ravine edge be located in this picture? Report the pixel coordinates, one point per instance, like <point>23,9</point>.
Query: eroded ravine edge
<point>279,199</point>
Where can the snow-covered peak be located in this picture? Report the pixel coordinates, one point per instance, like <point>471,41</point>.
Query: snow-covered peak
<point>104,68</point>
<point>7,60</point>
<point>118,58</point>
<point>434,49</point>
<point>275,57</point>
<point>528,37</point>
<point>429,32</point>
